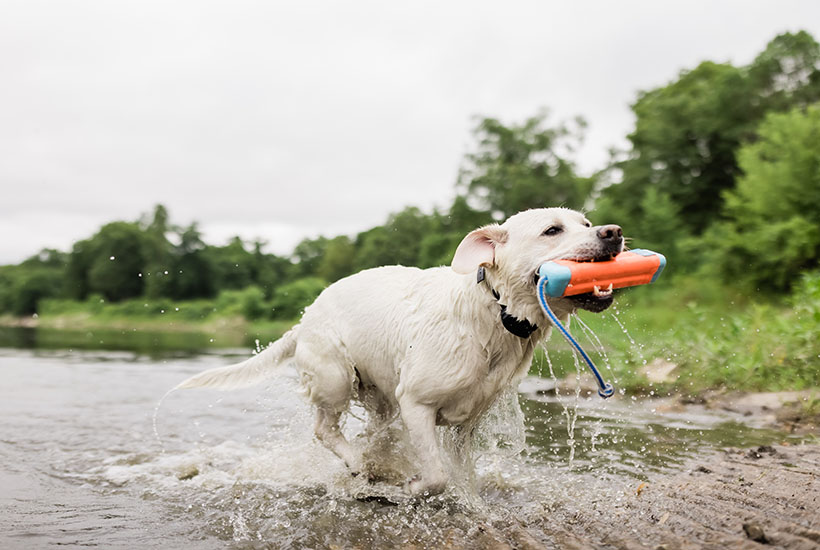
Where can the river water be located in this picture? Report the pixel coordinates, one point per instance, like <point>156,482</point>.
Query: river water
<point>81,465</point>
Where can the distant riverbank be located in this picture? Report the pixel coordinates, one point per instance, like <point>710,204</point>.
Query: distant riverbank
<point>149,335</point>
<point>683,339</point>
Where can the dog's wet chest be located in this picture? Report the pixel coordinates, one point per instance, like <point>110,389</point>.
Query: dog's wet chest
<point>500,367</point>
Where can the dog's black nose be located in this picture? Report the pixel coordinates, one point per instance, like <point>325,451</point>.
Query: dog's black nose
<point>610,233</point>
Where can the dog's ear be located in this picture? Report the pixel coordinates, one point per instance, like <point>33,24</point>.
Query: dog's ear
<point>478,248</point>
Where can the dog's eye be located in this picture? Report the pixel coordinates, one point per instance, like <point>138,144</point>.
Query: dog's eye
<point>587,224</point>
<point>554,230</point>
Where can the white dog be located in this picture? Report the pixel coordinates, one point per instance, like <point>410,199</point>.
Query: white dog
<point>439,344</point>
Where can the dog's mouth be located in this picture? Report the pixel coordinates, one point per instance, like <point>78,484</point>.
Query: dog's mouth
<point>596,301</point>
<point>603,256</point>
<point>601,297</point>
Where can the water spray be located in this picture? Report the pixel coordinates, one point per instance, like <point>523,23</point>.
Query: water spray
<point>562,278</point>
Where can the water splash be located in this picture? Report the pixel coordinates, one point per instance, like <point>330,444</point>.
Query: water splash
<point>572,417</point>
<point>597,345</point>
<point>570,413</point>
<point>635,345</point>
<point>154,418</point>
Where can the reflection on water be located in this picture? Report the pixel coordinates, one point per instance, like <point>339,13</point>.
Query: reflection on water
<point>79,464</point>
<point>145,342</point>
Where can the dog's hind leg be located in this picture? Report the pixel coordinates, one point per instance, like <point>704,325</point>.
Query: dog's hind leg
<point>328,383</point>
<point>327,431</point>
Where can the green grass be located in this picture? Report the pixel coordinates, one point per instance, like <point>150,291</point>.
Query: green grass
<point>717,338</point>
<point>221,319</point>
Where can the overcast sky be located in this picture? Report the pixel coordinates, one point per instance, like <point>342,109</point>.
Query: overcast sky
<point>284,120</point>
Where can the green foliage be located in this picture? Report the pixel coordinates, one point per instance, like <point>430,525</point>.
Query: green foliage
<point>116,257</point>
<point>76,272</point>
<point>338,259</point>
<point>716,337</point>
<point>290,300</point>
<point>159,270</point>
<point>787,73</point>
<point>233,266</point>
<point>398,242</point>
<point>683,145</point>
<point>805,301</point>
<point>437,248</point>
<point>373,248</point>
<point>773,226</point>
<point>722,176</point>
<point>762,347</point>
<point>252,303</point>
<point>445,232</point>
<point>248,303</point>
<point>524,166</point>
<point>658,228</point>
<point>688,133</point>
<point>23,286</point>
<point>308,255</point>
<point>192,276</point>
<point>272,271</point>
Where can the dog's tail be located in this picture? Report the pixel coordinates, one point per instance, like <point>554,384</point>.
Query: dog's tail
<point>248,372</point>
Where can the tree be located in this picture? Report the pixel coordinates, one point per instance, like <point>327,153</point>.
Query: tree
<point>773,226</point>
<point>688,132</point>
<point>76,273</point>
<point>463,218</point>
<point>272,272</point>
<point>446,231</point>
<point>398,242</point>
<point>193,271</point>
<point>160,270</point>
<point>659,227</point>
<point>308,256</point>
<point>524,166</point>
<point>684,143</point>
<point>233,266</point>
<point>787,73</point>
<point>338,260</point>
<point>290,300</point>
<point>116,256</point>
<point>373,248</point>
<point>23,286</point>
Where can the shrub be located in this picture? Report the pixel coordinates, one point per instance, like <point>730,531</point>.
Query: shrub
<point>290,300</point>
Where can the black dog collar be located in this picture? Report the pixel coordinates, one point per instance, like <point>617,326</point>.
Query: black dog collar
<point>520,327</point>
<point>514,325</point>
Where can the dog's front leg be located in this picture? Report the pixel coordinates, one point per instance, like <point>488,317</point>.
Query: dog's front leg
<point>420,421</point>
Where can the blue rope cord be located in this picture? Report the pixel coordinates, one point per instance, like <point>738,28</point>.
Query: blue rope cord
<point>604,389</point>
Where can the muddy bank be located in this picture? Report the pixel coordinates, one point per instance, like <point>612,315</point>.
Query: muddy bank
<point>765,497</point>
<point>793,412</point>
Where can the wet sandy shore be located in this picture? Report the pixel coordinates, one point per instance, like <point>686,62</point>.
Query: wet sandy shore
<point>765,497</point>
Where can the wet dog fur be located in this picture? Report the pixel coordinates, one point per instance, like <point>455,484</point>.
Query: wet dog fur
<point>429,344</point>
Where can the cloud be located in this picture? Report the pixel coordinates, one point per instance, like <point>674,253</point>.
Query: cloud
<point>313,116</point>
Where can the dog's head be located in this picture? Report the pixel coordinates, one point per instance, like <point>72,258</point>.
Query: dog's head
<point>512,252</point>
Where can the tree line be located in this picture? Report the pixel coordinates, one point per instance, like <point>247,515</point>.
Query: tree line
<point>722,174</point>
